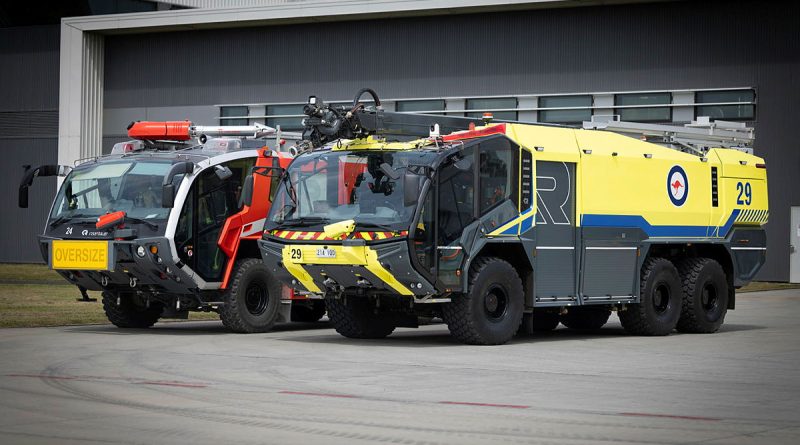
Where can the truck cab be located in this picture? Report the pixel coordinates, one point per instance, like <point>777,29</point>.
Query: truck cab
<point>161,228</point>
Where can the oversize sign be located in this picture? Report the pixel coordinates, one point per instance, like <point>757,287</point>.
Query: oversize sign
<point>80,255</point>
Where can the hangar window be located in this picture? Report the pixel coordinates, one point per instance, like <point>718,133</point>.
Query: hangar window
<point>494,105</point>
<point>289,117</point>
<point>723,104</point>
<point>233,115</point>
<point>566,109</point>
<point>424,106</point>
<point>640,107</point>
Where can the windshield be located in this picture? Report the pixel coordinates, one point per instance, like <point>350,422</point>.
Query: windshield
<point>131,186</point>
<point>327,187</point>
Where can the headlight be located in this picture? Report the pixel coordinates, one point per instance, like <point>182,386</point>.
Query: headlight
<point>141,251</point>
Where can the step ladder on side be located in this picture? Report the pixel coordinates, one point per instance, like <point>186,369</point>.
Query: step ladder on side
<point>696,137</point>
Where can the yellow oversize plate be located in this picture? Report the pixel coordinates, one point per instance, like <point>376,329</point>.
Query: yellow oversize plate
<point>79,255</point>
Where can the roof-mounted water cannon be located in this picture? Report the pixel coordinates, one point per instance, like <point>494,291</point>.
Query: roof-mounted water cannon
<point>327,123</point>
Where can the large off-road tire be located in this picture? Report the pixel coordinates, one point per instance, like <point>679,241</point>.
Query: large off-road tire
<point>252,299</point>
<point>128,314</point>
<point>705,296</point>
<point>660,300</point>
<point>586,318</point>
<point>491,311</point>
<point>308,311</point>
<point>355,318</point>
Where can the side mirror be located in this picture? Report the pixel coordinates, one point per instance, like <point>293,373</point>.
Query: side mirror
<point>412,184</point>
<point>168,188</point>
<point>30,174</point>
<point>247,191</point>
<point>222,172</point>
<point>168,196</point>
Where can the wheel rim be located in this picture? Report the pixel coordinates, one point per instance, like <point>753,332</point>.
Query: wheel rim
<point>495,303</point>
<point>256,298</point>
<point>661,297</point>
<point>709,298</point>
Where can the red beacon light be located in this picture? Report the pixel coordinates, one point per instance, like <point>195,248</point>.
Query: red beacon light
<point>122,148</point>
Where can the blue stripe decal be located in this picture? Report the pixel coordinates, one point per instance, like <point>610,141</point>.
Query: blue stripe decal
<point>526,225</point>
<point>658,231</point>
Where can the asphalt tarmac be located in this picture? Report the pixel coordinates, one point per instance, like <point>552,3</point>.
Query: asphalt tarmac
<point>195,383</point>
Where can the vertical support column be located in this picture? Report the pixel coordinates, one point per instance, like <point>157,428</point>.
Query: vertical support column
<point>80,96</point>
<point>528,102</point>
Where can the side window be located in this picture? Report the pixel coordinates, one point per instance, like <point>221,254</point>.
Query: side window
<point>456,202</point>
<point>184,232</point>
<point>425,233</point>
<point>498,173</point>
<point>215,201</point>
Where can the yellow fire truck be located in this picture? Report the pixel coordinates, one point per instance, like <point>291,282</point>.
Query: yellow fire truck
<point>508,227</point>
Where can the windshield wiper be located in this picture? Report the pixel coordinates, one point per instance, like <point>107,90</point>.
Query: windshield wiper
<point>64,218</point>
<point>384,227</point>
<point>305,221</point>
<point>150,224</point>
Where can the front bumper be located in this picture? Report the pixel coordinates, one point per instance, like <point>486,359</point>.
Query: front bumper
<point>383,267</point>
<point>158,272</point>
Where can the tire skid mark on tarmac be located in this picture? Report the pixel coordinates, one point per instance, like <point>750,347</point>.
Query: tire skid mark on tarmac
<point>283,422</point>
<point>416,404</point>
<point>512,435</point>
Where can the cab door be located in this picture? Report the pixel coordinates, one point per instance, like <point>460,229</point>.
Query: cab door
<point>208,205</point>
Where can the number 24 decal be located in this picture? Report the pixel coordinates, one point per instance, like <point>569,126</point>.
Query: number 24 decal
<point>746,191</point>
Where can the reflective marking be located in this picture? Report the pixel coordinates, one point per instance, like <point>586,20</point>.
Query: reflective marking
<point>748,248</point>
<point>555,248</point>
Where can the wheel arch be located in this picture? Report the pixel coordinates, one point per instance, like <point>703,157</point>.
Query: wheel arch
<point>515,255</point>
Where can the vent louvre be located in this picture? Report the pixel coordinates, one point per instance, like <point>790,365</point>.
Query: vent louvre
<point>714,188</point>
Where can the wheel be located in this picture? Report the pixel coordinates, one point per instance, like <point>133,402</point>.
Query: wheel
<point>705,296</point>
<point>586,318</point>
<point>308,311</point>
<point>660,300</point>
<point>128,314</point>
<point>356,319</point>
<point>491,312</point>
<point>545,321</point>
<point>252,299</point>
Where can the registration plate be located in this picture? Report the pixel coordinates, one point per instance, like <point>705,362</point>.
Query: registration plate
<point>80,255</point>
<point>326,253</point>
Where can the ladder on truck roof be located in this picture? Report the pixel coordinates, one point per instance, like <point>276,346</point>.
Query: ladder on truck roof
<point>177,135</point>
<point>696,137</point>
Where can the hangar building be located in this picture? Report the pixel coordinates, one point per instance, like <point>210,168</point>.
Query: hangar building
<point>74,77</point>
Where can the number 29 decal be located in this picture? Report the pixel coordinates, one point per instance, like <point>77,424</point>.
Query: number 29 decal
<point>296,254</point>
<point>745,193</point>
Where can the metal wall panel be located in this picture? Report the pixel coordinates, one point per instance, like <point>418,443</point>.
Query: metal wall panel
<point>28,133</point>
<point>19,227</point>
<point>29,78</point>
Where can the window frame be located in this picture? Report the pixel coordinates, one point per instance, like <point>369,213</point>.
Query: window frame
<point>542,113</point>
<point>667,106</point>
<point>236,118</point>
<point>479,110</point>
<point>751,104</point>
